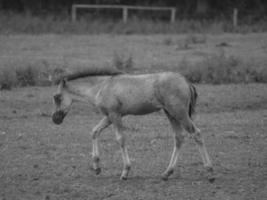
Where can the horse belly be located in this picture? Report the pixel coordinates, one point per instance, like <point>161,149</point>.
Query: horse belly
<point>139,103</point>
<point>139,109</point>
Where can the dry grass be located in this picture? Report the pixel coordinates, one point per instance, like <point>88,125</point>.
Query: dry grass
<point>123,62</point>
<point>38,74</point>
<point>30,60</point>
<point>220,69</point>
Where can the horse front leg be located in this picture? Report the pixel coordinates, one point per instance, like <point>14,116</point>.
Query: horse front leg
<point>121,139</point>
<point>104,123</point>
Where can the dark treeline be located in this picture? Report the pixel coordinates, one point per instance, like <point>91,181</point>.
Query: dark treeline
<point>184,7</point>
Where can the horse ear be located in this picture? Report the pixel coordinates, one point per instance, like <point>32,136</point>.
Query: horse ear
<point>62,83</point>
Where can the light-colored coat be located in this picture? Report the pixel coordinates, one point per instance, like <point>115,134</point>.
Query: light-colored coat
<point>124,94</point>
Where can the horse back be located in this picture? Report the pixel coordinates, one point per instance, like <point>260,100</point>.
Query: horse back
<point>143,94</point>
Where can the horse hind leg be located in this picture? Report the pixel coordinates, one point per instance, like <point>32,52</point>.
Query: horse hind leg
<point>191,128</point>
<point>178,141</point>
<point>197,136</point>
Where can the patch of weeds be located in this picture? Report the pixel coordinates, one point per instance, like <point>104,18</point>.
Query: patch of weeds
<point>26,76</point>
<point>260,74</point>
<point>184,45</point>
<point>222,69</point>
<point>123,62</point>
<point>196,39</point>
<point>223,44</point>
<point>190,40</point>
<point>160,67</point>
<point>7,79</point>
<point>167,41</point>
<point>55,74</point>
<point>33,74</point>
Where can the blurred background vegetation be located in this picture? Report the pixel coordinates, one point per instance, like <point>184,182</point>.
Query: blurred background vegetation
<point>184,7</point>
<point>49,16</point>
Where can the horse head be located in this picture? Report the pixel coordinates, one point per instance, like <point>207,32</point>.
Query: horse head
<point>62,101</point>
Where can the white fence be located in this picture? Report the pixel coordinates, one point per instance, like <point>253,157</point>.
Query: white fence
<point>124,9</point>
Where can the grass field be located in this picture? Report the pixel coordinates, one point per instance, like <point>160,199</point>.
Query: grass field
<point>203,58</point>
<point>74,51</point>
<point>40,160</point>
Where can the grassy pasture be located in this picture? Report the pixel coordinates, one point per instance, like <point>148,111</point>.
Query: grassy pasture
<point>40,160</point>
<point>72,51</point>
<point>29,60</point>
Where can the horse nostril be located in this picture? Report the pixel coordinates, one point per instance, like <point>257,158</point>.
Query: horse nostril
<point>58,117</point>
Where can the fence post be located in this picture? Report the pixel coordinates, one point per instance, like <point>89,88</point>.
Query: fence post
<point>173,13</point>
<point>73,13</point>
<point>124,14</point>
<point>235,17</point>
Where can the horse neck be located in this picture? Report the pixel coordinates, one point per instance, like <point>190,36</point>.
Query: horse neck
<point>83,92</point>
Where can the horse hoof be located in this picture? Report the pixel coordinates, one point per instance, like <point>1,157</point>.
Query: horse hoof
<point>164,178</point>
<point>97,171</point>
<point>124,178</point>
<point>166,175</point>
<point>210,169</point>
<point>211,179</point>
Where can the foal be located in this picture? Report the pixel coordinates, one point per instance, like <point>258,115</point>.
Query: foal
<point>124,94</point>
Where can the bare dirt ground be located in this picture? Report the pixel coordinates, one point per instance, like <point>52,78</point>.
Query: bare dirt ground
<point>40,160</point>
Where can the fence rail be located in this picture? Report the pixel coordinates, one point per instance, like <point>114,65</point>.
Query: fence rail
<point>124,8</point>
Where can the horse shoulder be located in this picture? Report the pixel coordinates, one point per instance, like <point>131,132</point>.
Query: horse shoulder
<point>105,98</point>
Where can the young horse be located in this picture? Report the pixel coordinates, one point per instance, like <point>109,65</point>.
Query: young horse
<point>124,94</point>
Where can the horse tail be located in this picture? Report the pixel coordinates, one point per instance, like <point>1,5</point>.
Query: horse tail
<point>193,100</point>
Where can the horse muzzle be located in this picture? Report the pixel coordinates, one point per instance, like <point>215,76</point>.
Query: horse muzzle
<point>58,117</point>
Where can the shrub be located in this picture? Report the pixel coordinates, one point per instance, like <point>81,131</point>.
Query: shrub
<point>214,69</point>
<point>260,74</point>
<point>190,40</point>
<point>196,39</point>
<point>123,62</point>
<point>220,69</point>
<point>34,74</point>
<point>7,79</point>
<point>26,76</point>
<point>167,41</point>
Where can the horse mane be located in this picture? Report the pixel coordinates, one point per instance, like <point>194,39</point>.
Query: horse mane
<point>89,72</point>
